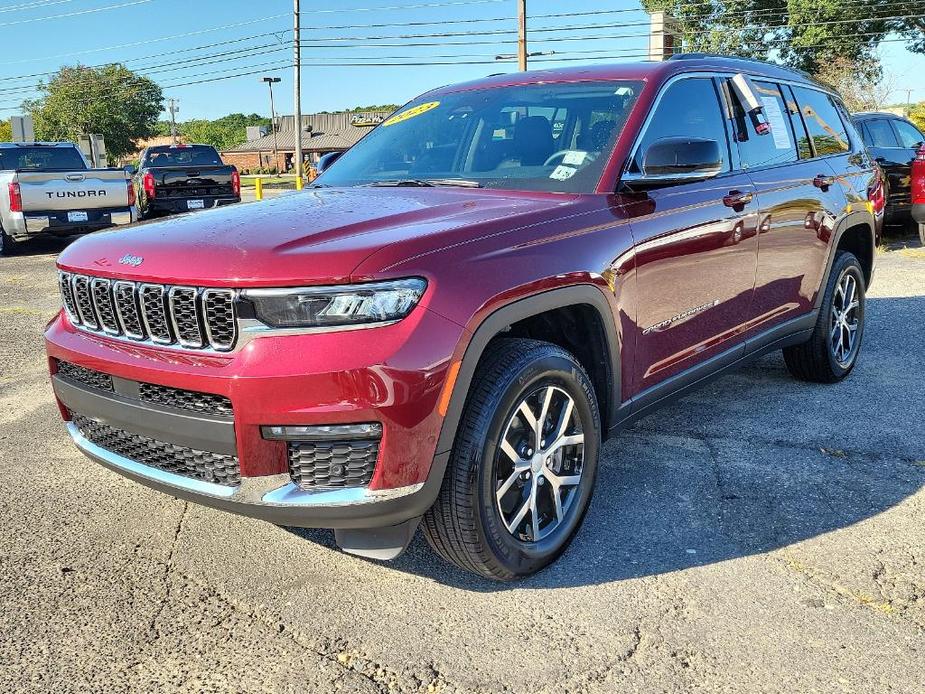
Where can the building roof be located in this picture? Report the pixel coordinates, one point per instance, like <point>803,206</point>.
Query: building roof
<point>329,132</point>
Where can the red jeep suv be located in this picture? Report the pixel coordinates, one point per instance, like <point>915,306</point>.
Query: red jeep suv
<point>446,326</point>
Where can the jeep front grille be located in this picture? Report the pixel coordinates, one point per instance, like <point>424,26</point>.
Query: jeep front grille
<point>190,317</point>
<point>180,460</point>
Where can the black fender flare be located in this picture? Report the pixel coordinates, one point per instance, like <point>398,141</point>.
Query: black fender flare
<point>499,320</point>
<point>849,221</point>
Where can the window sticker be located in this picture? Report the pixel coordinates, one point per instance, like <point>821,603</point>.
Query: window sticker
<point>563,173</point>
<point>574,158</point>
<point>411,113</point>
<point>775,118</point>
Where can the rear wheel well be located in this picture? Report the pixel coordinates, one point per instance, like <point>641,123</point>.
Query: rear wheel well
<point>858,241</point>
<point>578,329</point>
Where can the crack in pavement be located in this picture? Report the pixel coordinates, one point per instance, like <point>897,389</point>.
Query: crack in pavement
<point>168,566</point>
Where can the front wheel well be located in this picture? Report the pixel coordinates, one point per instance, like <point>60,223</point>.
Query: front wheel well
<point>858,240</point>
<point>579,329</point>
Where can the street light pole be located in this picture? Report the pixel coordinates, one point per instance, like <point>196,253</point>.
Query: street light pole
<point>297,89</point>
<point>270,82</point>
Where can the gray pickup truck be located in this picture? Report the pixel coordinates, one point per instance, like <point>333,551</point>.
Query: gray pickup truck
<point>48,188</point>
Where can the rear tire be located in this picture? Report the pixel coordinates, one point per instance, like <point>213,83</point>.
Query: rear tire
<point>516,489</point>
<point>830,354</point>
<point>8,245</point>
<point>922,233</point>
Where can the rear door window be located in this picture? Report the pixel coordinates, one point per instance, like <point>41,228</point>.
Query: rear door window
<point>774,147</point>
<point>909,136</point>
<point>823,122</point>
<point>688,108</point>
<point>880,134</point>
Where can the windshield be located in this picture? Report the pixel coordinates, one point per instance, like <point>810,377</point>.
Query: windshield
<point>548,137</point>
<point>38,158</point>
<point>183,155</point>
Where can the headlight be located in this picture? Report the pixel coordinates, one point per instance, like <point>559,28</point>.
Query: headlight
<point>351,304</point>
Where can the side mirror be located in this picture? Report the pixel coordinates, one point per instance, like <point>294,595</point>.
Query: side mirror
<point>680,158</point>
<point>130,169</point>
<point>324,163</point>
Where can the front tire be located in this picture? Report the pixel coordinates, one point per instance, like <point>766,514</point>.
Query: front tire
<point>523,465</point>
<point>833,348</point>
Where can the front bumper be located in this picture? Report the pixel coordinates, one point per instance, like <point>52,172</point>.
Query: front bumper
<point>26,225</point>
<point>383,375</point>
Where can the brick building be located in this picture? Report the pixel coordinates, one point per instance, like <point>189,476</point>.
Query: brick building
<point>321,133</point>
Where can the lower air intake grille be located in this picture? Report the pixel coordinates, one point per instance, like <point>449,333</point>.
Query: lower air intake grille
<point>207,403</point>
<point>88,377</point>
<point>314,465</point>
<point>189,462</point>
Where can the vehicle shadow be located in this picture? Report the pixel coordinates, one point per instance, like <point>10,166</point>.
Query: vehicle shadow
<point>43,245</point>
<point>751,463</point>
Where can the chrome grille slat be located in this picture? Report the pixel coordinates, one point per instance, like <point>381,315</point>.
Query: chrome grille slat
<point>188,317</point>
<point>184,315</point>
<point>154,314</point>
<point>84,301</point>
<point>129,316</point>
<point>101,291</point>
<point>67,296</point>
<point>218,308</point>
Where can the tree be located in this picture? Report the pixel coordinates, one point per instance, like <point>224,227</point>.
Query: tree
<point>222,133</point>
<point>804,34</point>
<point>6,131</point>
<point>859,95</point>
<point>917,115</point>
<point>110,100</point>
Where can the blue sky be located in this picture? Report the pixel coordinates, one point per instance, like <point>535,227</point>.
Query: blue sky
<point>180,41</point>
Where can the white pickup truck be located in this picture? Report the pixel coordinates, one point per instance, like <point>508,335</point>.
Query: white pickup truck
<point>48,188</point>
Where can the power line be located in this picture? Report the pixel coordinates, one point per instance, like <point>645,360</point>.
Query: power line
<point>92,10</point>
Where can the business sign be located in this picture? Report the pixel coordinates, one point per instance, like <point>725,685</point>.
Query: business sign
<point>366,120</point>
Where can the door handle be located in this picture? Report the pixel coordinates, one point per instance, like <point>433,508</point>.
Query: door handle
<point>737,198</point>
<point>823,182</point>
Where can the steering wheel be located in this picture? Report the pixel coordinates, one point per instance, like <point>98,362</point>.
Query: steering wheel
<point>552,157</point>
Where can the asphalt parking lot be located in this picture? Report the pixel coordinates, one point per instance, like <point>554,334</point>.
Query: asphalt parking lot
<point>759,535</point>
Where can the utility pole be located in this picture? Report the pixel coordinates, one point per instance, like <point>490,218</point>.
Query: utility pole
<point>297,89</point>
<point>270,82</point>
<point>522,34</point>
<point>172,107</point>
<point>908,102</point>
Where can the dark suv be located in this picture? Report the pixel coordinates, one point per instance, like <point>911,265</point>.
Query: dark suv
<point>445,328</point>
<point>894,142</point>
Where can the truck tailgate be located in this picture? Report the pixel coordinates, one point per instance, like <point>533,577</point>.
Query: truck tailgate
<point>78,190</point>
<point>193,181</point>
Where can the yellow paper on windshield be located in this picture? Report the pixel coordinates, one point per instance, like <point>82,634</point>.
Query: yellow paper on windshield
<point>411,113</point>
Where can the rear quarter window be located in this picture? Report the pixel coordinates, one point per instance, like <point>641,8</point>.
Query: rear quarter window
<point>909,136</point>
<point>880,134</point>
<point>823,122</point>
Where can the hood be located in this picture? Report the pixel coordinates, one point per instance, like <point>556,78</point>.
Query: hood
<point>315,237</point>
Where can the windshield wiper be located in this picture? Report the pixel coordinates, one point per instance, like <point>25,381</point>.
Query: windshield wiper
<point>426,183</point>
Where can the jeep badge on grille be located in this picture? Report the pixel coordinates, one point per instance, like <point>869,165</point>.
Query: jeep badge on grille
<point>129,259</point>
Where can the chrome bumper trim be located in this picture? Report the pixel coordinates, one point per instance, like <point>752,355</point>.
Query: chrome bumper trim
<point>292,495</point>
<point>271,491</point>
<point>123,464</point>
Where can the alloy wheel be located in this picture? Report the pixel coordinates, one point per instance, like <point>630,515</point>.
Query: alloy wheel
<point>845,319</point>
<point>539,464</point>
